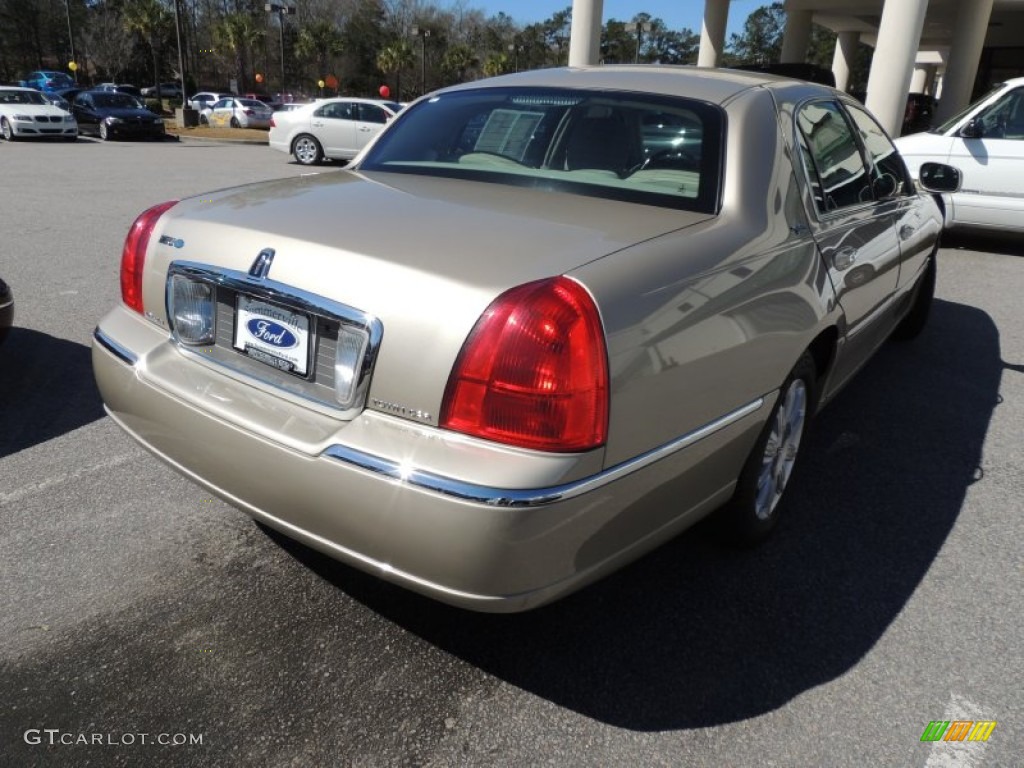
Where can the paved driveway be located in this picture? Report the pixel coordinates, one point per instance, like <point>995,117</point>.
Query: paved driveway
<point>138,612</point>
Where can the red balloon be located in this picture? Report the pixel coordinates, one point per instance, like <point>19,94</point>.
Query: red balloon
<point>384,91</point>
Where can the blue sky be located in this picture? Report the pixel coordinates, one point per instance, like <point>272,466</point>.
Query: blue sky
<point>676,13</point>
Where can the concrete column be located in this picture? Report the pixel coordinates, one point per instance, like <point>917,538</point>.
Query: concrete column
<point>712,33</point>
<point>899,36</point>
<point>923,79</point>
<point>842,60</point>
<point>795,37</point>
<point>918,79</point>
<point>968,39</point>
<point>585,35</point>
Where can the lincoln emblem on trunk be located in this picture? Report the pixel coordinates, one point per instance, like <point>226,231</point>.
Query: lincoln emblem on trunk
<point>261,266</point>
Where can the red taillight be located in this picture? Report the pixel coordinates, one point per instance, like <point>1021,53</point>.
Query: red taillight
<point>534,371</point>
<point>272,123</point>
<point>249,112</point>
<point>133,257</point>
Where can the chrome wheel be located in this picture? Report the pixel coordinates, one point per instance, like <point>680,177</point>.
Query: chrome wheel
<point>307,150</point>
<point>104,132</point>
<point>781,449</point>
<point>8,131</point>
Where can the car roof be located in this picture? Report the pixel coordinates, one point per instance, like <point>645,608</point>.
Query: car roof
<point>716,86</point>
<point>17,88</point>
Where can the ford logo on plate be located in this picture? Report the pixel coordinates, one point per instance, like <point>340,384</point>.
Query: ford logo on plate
<point>272,333</point>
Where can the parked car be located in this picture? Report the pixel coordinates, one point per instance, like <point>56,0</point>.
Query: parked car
<point>27,113</point>
<point>239,113</point>
<point>111,115</point>
<point>68,94</point>
<point>986,143</point>
<point>332,129</point>
<point>56,100</point>
<point>6,310</point>
<point>164,90</point>
<point>568,352</point>
<point>47,80</point>
<point>131,90</point>
<point>200,101</point>
<point>918,114</point>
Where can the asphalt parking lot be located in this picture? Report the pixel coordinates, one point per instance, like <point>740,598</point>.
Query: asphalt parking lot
<point>144,623</point>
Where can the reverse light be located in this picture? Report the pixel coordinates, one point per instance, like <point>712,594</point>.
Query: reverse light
<point>191,309</point>
<point>534,371</point>
<point>133,256</point>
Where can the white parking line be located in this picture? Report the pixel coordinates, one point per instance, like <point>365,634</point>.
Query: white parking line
<point>35,488</point>
<point>959,754</point>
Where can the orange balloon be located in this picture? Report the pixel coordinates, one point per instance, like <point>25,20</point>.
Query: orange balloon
<point>259,78</point>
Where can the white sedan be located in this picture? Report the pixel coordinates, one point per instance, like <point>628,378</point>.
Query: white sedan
<point>25,113</point>
<point>986,142</point>
<point>333,129</point>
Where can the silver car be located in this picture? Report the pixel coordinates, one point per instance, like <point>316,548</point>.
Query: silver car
<point>544,323</point>
<point>237,112</point>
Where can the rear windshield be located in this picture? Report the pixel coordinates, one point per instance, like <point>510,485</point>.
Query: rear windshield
<point>656,150</point>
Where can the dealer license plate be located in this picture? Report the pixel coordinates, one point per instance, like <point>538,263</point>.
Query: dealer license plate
<point>272,334</point>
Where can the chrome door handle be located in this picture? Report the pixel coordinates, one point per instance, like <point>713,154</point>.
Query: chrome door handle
<point>844,258</point>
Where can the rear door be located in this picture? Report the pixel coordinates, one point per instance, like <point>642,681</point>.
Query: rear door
<point>855,232</point>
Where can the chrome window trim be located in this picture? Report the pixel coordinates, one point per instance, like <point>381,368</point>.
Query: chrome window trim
<point>531,497</point>
<point>295,299</point>
<point>115,348</point>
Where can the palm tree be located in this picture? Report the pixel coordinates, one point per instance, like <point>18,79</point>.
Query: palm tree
<point>395,58</point>
<point>150,19</point>
<point>457,59</point>
<point>238,32</point>
<point>319,41</point>
<point>496,65</point>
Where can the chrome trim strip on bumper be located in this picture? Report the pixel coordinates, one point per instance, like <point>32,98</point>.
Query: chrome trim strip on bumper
<point>118,350</point>
<point>531,497</point>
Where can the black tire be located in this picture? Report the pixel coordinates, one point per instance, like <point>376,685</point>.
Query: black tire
<point>234,122</point>
<point>5,128</point>
<point>307,150</point>
<point>204,120</point>
<point>759,500</point>
<point>916,319</point>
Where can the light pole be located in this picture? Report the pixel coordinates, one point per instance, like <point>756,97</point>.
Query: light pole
<point>281,11</point>
<point>638,27</point>
<point>422,34</point>
<point>514,49</point>
<point>71,37</point>
<point>181,61</point>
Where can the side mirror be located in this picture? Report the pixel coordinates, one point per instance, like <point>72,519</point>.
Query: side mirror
<point>973,129</point>
<point>938,177</point>
<point>884,186</point>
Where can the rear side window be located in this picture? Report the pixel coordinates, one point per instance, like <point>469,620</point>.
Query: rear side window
<point>840,178</point>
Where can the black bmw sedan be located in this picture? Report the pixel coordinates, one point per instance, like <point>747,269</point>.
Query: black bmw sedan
<point>112,115</point>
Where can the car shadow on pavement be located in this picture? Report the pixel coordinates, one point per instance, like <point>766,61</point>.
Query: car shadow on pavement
<point>46,389</point>
<point>696,635</point>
